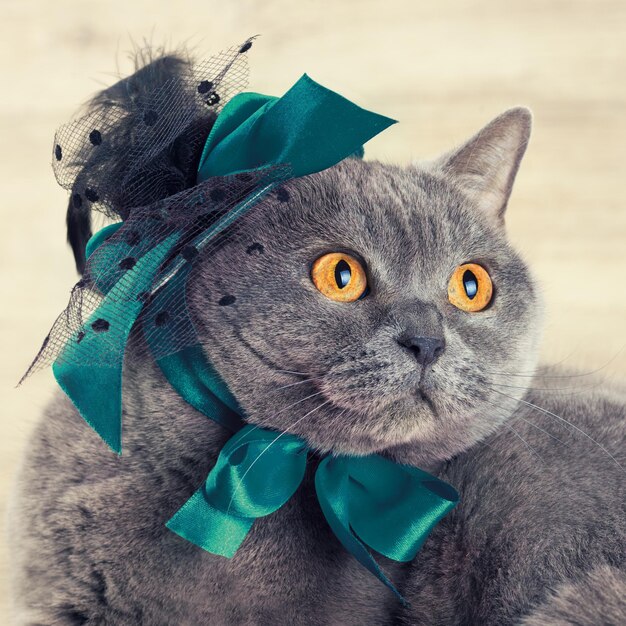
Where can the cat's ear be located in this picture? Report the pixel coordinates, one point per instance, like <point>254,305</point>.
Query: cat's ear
<point>486,166</point>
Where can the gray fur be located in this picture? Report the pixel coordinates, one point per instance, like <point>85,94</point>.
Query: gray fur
<point>539,536</point>
<point>577,603</point>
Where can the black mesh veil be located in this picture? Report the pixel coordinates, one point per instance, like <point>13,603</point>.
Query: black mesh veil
<point>134,156</point>
<point>140,141</point>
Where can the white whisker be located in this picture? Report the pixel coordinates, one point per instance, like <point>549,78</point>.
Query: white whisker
<point>293,372</point>
<point>269,445</point>
<point>579,390</point>
<point>524,441</point>
<point>290,406</point>
<point>299,382</point>
<point>562,419</point>
<point>552,366</point>
<point>528,422</point>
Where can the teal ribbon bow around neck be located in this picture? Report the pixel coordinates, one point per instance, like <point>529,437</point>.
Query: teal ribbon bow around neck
<point>369,501</point>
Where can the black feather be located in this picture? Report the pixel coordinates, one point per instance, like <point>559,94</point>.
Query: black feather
<point>78,223</point>
<point>123,171</point>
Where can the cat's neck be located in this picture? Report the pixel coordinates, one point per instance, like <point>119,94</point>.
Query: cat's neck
<point>156,417</point>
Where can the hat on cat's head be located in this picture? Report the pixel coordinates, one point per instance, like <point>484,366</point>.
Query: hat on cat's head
<point>180,155</point>
<point>230,150</point>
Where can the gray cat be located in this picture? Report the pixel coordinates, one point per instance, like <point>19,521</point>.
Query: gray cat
<point>539,536</point>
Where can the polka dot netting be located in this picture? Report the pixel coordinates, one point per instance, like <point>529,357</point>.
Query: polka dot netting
<point>134,157</point>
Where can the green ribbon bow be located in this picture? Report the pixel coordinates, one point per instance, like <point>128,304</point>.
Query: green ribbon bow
<point>367,501</point>
<point>310,128</point>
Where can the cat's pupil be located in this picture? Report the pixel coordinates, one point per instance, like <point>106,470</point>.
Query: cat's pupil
<point>342,274</point>
<point>470,283</point>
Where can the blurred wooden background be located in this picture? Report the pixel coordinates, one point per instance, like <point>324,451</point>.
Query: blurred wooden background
<point>442,68</point>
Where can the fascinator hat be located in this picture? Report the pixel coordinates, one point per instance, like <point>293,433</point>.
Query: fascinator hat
<point>203,154</point>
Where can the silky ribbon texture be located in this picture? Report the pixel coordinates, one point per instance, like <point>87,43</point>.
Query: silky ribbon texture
<point>96,391</point>
<point>367,501</point>
<point>307,128</point>
<point>255,474</point>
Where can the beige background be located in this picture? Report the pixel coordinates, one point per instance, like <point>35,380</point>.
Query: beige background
<point>442,68</point>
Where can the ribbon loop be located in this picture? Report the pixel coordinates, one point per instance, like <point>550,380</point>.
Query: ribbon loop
<point>394,507</point>
<point>256,472</point>
<point>310,127</point>
<point>389,507</point>
<point>95,384</point>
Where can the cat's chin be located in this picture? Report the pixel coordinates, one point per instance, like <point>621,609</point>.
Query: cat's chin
<point>423,455</point>
<point>418,425</point>
<point>404,449</point>
<point>358,433</point>
<point>417,440</point>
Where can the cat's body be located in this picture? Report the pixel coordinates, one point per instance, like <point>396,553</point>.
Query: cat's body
<point>540,532</point>
<point>531,522</point>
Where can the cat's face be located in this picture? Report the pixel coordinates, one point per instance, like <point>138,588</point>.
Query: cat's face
<point>343,375</point>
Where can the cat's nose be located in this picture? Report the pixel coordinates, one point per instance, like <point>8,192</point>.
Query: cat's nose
<point>426,350</point>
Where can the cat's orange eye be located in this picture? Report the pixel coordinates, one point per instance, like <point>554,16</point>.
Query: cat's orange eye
<point>470,288</point>
<point>339,277</point>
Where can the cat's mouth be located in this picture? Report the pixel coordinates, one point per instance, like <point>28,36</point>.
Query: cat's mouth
<point>425,388</point>
<point>340,412</point>
<point>425,398</point>
<point>419,388</point>
<point>375,422</point>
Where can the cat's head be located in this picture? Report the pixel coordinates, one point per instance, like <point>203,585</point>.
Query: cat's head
<point>400,366</point>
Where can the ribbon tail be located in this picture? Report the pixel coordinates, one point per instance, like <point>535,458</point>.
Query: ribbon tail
<point>89,370</point>
<point>84,385</point>
<point>209,528</point>
<point>331,485</point>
